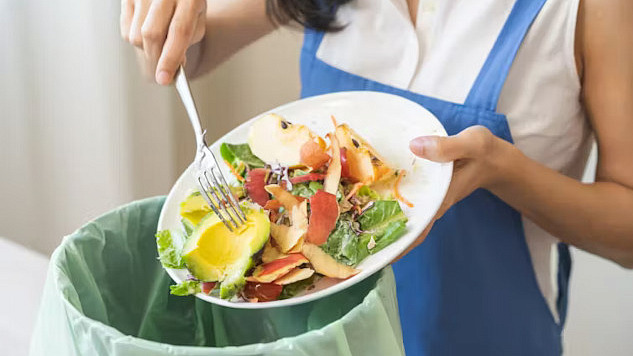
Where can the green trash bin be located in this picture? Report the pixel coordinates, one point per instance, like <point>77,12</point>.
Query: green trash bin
<point>107,294</point>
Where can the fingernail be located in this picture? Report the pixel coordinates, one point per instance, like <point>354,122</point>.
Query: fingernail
<point>420,145</point>
<point>163,77</point>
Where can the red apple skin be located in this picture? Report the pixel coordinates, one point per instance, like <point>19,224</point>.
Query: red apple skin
<point>276,265</point>
<point>307,178</point>
<point>313,155</point>
<point>323,215</point>
<point>255,183</point>
<point>207,287</point>
<point>264,292</point>
<point>344,164</point>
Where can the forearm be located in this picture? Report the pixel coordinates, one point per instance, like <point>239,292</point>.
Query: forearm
<point>595,217</point>
<point>230,26</point>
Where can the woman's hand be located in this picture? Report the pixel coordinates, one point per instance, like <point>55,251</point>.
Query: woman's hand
<point>163,30</point>
<point>474,150</point>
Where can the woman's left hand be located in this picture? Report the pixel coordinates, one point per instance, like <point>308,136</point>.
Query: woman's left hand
<point>474,153</point>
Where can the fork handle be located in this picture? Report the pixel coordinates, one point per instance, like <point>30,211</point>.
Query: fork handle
<point>182,86</point>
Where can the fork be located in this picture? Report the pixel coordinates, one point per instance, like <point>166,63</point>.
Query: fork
<point>211,183</point>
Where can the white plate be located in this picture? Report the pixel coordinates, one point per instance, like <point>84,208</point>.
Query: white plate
<point>388,122</point>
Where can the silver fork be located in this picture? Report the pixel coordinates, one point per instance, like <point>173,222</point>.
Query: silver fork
<point>211,182</point>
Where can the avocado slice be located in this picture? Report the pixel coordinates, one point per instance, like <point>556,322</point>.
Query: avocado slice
<point>213,253</point>
<point>194,208</point>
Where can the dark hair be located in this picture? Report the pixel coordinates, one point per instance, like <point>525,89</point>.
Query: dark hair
<point>316,14</point>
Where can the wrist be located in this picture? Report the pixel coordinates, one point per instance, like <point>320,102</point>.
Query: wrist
<point>502,156</point>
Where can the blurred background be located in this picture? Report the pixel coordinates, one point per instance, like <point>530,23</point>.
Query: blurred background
<point>81,132</point>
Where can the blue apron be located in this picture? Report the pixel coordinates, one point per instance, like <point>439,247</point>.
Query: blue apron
<point>470,288</point>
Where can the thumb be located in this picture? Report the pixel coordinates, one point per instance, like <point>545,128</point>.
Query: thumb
<point>438,149</point>
<point>469,143</point>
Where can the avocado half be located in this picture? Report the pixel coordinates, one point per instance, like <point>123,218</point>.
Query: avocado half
<point>194,208</point>
<point>213,253</point>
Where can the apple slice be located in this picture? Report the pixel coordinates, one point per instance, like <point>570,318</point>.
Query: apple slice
<point>296,275</point>
<point>270,271</point>
<point>286,199</point>
<point>275,140</point>
<point>313,155</point>
<point>325,264</point>
<point>333,176</point>
<point>324,212</point>
<point>271,253</point>
<point>287,237</point>
<point>307,178</point>
<point>262,292</point>
<point>298,246</point>
<point>255,183</point>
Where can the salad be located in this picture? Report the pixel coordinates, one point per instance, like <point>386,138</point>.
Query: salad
<point>315,208</point>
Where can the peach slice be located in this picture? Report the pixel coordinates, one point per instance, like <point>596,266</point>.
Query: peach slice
<point>333,176</point>
<point>326,264</point>
<point>270,271</point>
<point>272,204</point>
<point>324,212</point>
<point>286,199</point>
<point>255,183</point>
<point>296,275</point>
<point>364,163</point>
<point>313,155</point>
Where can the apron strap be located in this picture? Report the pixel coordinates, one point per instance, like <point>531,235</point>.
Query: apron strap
<point>487,87</point>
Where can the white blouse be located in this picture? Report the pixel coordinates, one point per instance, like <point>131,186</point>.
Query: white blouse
<point>441,55</point>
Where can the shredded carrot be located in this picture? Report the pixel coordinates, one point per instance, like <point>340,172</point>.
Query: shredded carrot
<point>354,190</point>
<point>397,194</point>
<point>334,121</point>
<point>234,172</point>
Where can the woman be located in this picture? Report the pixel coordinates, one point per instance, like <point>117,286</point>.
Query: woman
<point>520,85</point>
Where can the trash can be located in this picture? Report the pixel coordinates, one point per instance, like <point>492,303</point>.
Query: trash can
<point>107,294</point>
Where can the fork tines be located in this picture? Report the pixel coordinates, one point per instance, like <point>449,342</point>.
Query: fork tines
<point>217,194</point>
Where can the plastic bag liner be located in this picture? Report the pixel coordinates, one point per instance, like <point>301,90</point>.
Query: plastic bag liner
<point>107,294</point>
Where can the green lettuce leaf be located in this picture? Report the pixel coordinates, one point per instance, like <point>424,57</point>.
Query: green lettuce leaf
<point>187,287</point>
<point>306,189</point>
<point>234,154</point>
<point>377,218</point>
<point>384,222</point>
<point>343,242</point>
<point>168,251</point>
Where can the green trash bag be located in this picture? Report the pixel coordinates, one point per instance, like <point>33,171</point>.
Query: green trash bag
<point>107,294</point>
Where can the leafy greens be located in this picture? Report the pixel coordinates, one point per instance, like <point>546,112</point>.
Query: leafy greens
<point>168,251</point>
<point>241,153</point>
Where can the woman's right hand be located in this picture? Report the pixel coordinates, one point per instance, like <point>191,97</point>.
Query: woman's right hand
<point>163,30</point>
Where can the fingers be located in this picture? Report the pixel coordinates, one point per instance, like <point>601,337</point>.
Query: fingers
<point>469,143</point>
<point>179,36</point>
<point>127,12</point>
<point>141,7</point>
<point>154,31</point>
